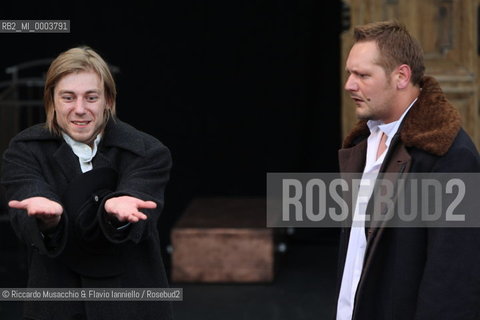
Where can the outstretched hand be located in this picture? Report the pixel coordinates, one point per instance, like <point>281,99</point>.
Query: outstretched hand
<point>47,211</point>
<point>126,208</point>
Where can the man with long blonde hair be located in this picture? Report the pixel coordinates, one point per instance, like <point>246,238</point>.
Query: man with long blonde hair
<point>85,193</point>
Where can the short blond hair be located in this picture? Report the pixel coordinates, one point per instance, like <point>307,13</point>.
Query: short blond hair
<point>75,60</point>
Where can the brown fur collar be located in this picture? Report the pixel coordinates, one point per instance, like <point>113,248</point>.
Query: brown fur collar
<point>431,124</point>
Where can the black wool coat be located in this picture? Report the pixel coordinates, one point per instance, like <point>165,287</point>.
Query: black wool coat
<point>87,250</point>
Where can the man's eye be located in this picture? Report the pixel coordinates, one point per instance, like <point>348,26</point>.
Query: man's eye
<point>67,98</point>
<point>92,98</point>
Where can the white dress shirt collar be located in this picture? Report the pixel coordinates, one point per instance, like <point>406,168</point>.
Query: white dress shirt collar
<point>83,151</point>
<point>390,129</point>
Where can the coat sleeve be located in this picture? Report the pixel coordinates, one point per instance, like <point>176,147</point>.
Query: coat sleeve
<point>22,178</point>
<point>146,179</point>
<point>450,286</point>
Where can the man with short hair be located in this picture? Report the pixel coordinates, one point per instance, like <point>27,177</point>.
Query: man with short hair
<point>406,126</point>
<point>85,193</point>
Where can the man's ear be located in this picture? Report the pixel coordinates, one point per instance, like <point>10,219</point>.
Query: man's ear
<point>403,74</point>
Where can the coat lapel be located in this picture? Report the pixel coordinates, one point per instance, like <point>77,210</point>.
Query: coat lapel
<point>398,163</point>
<point>353,159</point>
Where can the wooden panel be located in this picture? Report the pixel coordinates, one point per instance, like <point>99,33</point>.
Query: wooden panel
<point>462,92</point>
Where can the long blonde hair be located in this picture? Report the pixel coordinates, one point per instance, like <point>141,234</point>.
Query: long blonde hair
<point>71,61</point>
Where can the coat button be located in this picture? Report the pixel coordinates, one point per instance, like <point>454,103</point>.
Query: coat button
<point>95,198</point>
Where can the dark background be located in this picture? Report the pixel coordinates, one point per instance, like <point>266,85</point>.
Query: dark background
<point>235,89</point>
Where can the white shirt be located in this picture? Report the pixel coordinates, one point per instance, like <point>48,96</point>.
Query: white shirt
<point>83,151</point>
<point>357,243</point>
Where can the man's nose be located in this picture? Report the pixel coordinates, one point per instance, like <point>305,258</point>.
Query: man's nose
<point>80,106</point>
<point>351,84</point>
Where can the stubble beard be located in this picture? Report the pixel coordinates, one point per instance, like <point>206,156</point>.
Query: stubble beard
<point>365,113</point>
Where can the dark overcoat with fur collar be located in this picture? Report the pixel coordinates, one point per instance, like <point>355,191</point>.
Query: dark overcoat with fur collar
<point>87,250</point>
<point>418,273</point>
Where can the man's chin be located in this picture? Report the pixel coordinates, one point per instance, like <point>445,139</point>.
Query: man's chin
<point>363,116</point>
<point>83,138</point>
